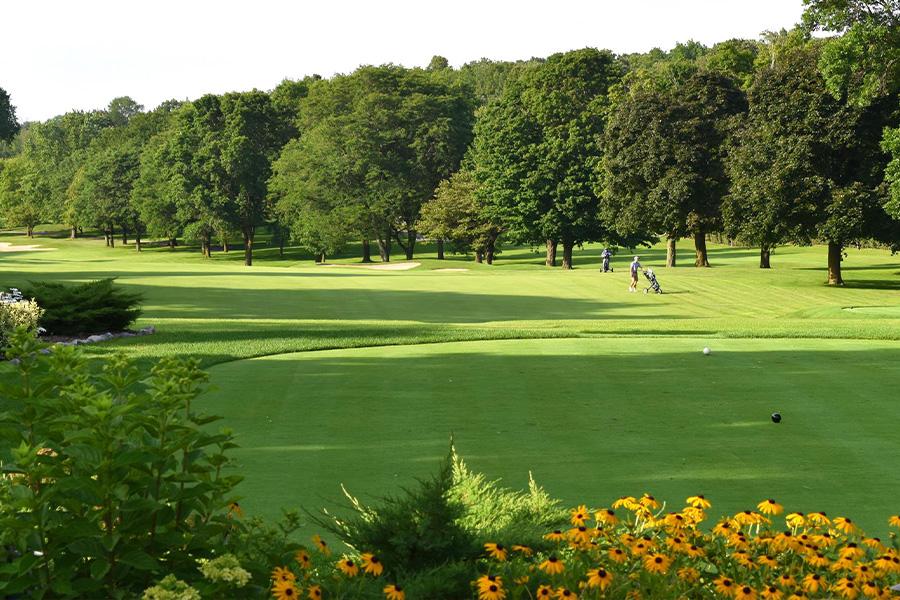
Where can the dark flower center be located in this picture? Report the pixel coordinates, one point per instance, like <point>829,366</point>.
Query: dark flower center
<point>657,560</point>
<point>493,588</point>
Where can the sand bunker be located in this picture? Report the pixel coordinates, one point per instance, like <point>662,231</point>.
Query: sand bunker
<point>451,270</point>
<point>7,247</point>
<point>400,266</point>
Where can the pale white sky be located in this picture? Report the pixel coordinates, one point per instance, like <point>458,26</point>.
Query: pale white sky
<point>59,55</point>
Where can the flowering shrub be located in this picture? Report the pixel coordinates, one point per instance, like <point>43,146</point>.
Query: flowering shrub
<point>18,312</point>
<point>634,549</point>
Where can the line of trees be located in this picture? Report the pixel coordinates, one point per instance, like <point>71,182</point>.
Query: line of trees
<point>789,139</point>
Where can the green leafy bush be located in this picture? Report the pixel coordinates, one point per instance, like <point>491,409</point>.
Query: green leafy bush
<point>112,478</point>
<point>25,313</point>
<point>93,307</point>
<point>430,537</point>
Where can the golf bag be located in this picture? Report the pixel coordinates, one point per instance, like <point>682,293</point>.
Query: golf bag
<point>654,284</point>
<point>606,255</point>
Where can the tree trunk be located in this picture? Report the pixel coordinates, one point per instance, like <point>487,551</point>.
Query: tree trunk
<point>112,237</point>
<point>551,253</point>
<point>384,248</point>
<point>124,236</point>
<point>479,256</point>
<point>225,244</point>
<point>73,233</point>
<point>764,256</point>
<point>410,243</point>
<point>29,229</point>
<point>440,245</point>
<point>670,252</point>
<point>321,258</point>
<point>567,254</point>
<point>281,245</point>
<point>248,247</point>
<point>172,243</point>
<point>702,259</point>
<point>367,252</point>
<point>835,255</point>
<point>489,251</point>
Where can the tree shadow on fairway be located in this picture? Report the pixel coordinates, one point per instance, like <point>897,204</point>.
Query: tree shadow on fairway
<point>393,305</point>
<point>592,419</point>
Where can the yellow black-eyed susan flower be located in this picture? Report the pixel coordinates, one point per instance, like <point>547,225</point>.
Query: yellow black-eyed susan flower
<point>371,564</point>
<point>580,534</point>
<point>285,590</point>
<point>321,545</point>
<point>544,591</point>
<point>552,566</point>
<point>348,567</point>
<point>564,593</point>
<point>235,510</point>
<point>492,592</point>
<point>314,592</point>
<point>894,520</point>
<point>787,581</point>
<point>555,536</point>
<point>844,525</point>
<point>648,501</point>
<point>303,558</point>
<point>851,550</point>
<point>521,579</point>
<point>688,574</point>
<point>657,563</point>
<point>617,555</point>
<point>817,559</point>
<point>627,502</point>
<point>699,501</point>
<point>795,519</point>
<point>494,550</point>
<point>725,586</point>
<point>771,592</point>
<point>486,581</point>
<point>818,518</point>
<point>394,592</point>
<point>812,583</point>
<point>599,578</point>
<point>846,587</point>
<point>864,572</point>
<point>874,543</point>
<point>283,574</point>
<point>744,592</point>
<point>525,550</point>
<point>770,507</point>
<point>607,516</point>
<point>579,515</point>
<point>767,561</point>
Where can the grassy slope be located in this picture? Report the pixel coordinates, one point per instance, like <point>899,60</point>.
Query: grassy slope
<point>669,406</point>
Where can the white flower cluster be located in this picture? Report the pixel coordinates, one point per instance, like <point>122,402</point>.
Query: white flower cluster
<point>171,588</point>
<point>224,569</point>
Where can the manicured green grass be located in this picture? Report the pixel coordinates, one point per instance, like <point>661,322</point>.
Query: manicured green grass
<point>593,419</point>
<point>599,391</point>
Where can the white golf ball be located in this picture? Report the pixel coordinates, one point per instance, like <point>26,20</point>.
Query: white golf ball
<point>706,350</point>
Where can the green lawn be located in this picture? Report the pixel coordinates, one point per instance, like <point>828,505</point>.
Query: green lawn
<point>599,392</point>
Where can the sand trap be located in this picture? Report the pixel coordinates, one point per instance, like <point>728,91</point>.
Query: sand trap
<point>7,247</point>
<point>451,270</point>
<point>400,266</point>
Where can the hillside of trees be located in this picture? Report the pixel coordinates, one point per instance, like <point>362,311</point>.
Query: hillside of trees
<point>792,138</point>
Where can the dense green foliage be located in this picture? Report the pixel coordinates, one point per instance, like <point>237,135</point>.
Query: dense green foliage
<point>9,127</point>
<point>110,477</point>
<point>93,307</point>
<point>430,535</point>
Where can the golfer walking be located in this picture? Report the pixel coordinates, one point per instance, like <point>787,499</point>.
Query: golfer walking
<point>635,267</point>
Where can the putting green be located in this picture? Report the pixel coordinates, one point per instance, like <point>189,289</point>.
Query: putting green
<point>592,418</point>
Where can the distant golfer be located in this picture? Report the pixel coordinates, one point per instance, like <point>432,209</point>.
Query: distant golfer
<point>635,268</point>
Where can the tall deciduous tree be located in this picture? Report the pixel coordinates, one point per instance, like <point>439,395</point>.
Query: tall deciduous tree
<point>664,157</point>
<point>457,214</point>
<point>9,127</point>
<point>23,200</point>
<point>537,147</point>
<point>380,139</point>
